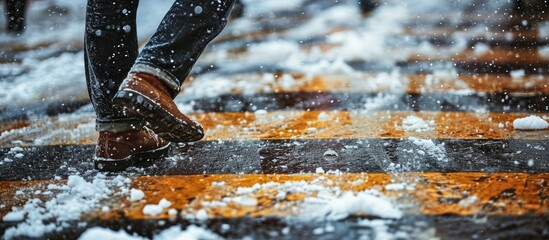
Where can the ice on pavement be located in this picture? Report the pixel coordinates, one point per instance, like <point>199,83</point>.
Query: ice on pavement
<point>530,123</point>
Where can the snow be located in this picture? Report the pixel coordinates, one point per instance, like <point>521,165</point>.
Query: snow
<point>164,203</point>
<point>67,203</point>
<point>53,79</point>
<point>348,203</point>
<point>544,51</point>
<point>379,101</point>
<point>416,124</point>
<point>152,209</point>
<point>530,123</point>
<point>518,74</point>
<point>481,49</point>
<point>468,201</point>
<point>324,200</point>
<point>172,212</point>
<point>437,151</point>
<point>136,194</point>
<point>323,116</point>
<point>191,233</point>
<point>16,215</point>
<point>156,209</point>
<point>243,200</point>
<point>104,233</point>
<point>399,187</point>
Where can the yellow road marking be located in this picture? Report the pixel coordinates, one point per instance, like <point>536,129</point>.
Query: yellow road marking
<point>303,125</point>
<point>424,193</point>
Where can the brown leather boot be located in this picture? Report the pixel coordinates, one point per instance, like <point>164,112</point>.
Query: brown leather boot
<point>143,95</point>
<point>118,151</point>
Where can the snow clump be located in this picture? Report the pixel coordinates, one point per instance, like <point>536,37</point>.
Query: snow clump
<point>136,194</point>
<point>437,151</point>
<point>156,209</point>
<point>518,74</point>
<point>416,124</point>
<point>104,233</point>
<point>530,123</point>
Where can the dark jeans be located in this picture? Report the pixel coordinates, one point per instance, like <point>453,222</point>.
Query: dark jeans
<point>111,49</point>
<point>15,11</point>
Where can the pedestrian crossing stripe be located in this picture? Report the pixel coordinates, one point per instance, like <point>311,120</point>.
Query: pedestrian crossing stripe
<point>277,195</point>
<point>293,125</point>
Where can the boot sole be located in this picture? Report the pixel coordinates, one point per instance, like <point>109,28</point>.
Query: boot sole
<point>142,159</point>
<point>162,122</point>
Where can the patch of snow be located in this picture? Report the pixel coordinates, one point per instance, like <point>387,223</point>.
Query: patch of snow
<point>468,201</point>
<point>16,215</point>
<point>242,200</point>
<point>348,203</point>
<point>136,194</point>
<point>152,209</point>
<point>172,212</point>
<point>416,124</point>
<point>543,30</point>
<point>481,49</point>
<point>68,203</point>
<point>104,233</point>
<point>164,203</point>
<point>544,51</point>
<point>517,74</point>
<point>323,116</point>
<point>301,63</point>
<point>53,79</point>
<point>324,200</point>
<point>530,123</point>
<point>260,112</point>
<point>437,151</point>
<point>192,232</point>
<point>399,187</point>
<point>271,50</point>
<point>379,101</point>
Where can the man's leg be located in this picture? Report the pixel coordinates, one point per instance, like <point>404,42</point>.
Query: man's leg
<point>16,15</point>
<point>110,50</point>
<point>165,62</point>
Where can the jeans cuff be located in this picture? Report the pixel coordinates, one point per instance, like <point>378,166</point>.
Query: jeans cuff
<point>119,125</point>
<point>168,78</point>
